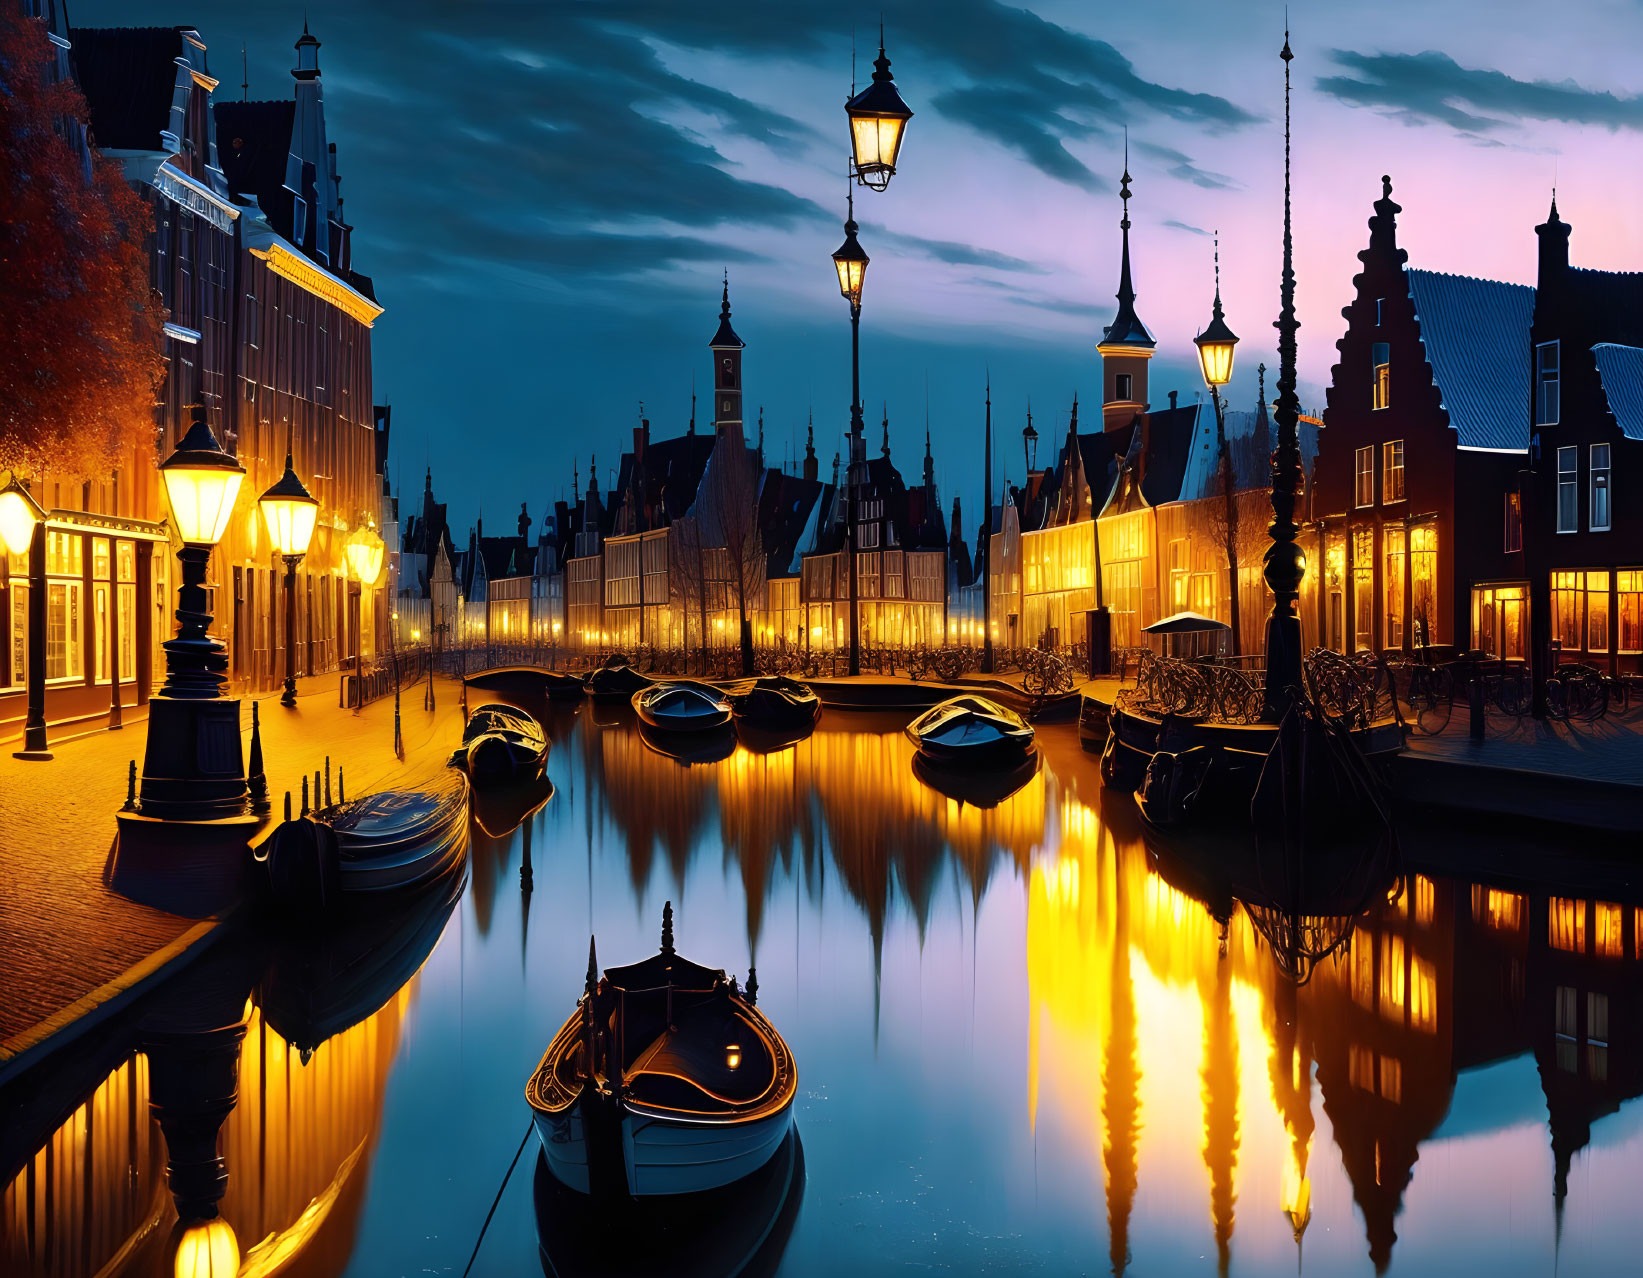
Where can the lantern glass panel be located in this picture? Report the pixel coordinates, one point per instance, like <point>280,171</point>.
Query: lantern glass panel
<point>202,500</point>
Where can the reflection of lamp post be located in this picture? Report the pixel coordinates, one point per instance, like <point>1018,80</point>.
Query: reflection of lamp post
<point>23,529</point>
<point>365,562</point>
<point>290,511</point>
<point>1285,560</point>
<point>192,766</point>
<point>850,261</point>
<point>1215,346</point>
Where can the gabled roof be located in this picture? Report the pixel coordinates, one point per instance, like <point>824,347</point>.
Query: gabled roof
<point>1476,336</point>
<point>129,78</point>
<point>787,505</point>
<point>1620,368</point>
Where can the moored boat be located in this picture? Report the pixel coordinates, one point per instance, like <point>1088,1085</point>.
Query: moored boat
<point>970,730</point>
<point>978,787</point>
<point>615,682</point>
<point>777,704</point>
<point>362,849</point>
<point>667,1079</point>
<point>529,683</point>
<point>501,745</point>
<point>682,705</point>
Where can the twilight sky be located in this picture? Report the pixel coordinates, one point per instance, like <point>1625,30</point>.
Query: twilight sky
<point>546,192</point>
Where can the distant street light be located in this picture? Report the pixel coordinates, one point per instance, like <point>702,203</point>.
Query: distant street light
<point>193,769</point>
<point>364,551</point>
<point>1215,344</point>
<point>1215,349</point>
<point>290,512</point>
<point>878,119</point>
<point>850,262</point>
<point>23,529</point>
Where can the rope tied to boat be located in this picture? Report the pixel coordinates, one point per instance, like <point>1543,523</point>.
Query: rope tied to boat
<point>495,1202</point>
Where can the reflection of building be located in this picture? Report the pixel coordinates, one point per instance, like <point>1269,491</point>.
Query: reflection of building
<point>1416,480</point>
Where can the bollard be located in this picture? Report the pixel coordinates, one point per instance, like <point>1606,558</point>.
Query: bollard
<point>316,789</point>
<point>304,794</point>
<point>327,780</point>
<point>341,796</point>
<point>130,805</point>
<point>288,805</point>
<point>1474,697</point>
<point>257,783</point>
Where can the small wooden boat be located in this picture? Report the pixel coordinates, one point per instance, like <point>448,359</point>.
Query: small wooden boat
<point>615,682</point>
<point>666,1079</point>
<point>778,704</point>
<point>739,1231</point>
<point>501,746</point>
<point>682,705</point>
<point>529,683</point>
<point>363,849</point>
<point>970,730</point>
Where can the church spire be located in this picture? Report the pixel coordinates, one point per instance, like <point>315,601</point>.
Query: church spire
<point>1126,328</point>
<point>810,466</point>
<point>727,369</point>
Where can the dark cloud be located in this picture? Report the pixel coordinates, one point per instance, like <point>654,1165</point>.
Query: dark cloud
<point>1433,87</point>
<point>949,251</point>
<point>1181,166</point>
<point>1185,226</point>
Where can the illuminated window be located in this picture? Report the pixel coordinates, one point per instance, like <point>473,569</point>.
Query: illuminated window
<point>1500,621</point>
<point>1597,612</point>
<point>1606,927</point>
<point>1380,360</point>
<point>1514,523</point>
<point>1423,996</point>
<point>1566,925</point>
<point>1366,476</point>
<point>1392,978</point>
<point>1547,401</point>
<point>1423,573</point>
<point>1568,608</point>
<point>1392,471</point>
<point>1600,487</point>
<point>1363,588</point>
<point>1568,485</point>
<point>1393,581</point>
<point>1629,591</point>
<point>1425,899</point>
<point>1178,573</point>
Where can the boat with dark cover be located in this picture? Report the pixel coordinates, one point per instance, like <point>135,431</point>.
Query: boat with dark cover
<point>777,704</point>
<point>667,1079</point>
<point>529,683</point>
<point>616,681</point>
<point>682,705</point>
<point>969,730</point>
<point>501,745</point>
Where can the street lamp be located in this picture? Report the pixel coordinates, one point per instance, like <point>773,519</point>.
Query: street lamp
<point>878,118</point>
<point>364,550</point>
<point>290,512</point>
<point>1215,348</point>
<point>850,262</point>
<point>193,769</point>
<point>23,529</point>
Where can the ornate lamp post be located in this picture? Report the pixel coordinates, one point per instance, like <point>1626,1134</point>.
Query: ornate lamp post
<point>193,769</point>
<point>1285,560</point>
<point>1215,347</point>
<point>364,552</point>
<point>290,512</point>
<point>23,529</point>
<point>850,261</point>
<point>878,119</point>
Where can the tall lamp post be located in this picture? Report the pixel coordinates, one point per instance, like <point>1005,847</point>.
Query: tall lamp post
<point>23,529</point>
<point>850,261</point>
<point>193,769</point>
<point>878,121</point>
<point>1215,346</point>
<point>290,512</point>
<point>1285,560</point>
<point>364,551</point>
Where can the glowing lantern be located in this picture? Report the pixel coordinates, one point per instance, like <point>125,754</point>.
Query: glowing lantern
<point>202,482</point>
<point>19,513</point>
<point>290,511</point>
<point>878,119</point>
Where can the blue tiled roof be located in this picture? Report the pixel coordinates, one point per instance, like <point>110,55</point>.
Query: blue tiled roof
<point>1476,334</point>
<point>1621,369</point>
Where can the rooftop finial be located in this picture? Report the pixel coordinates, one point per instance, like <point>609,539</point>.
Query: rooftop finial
<point>593,967</point>
<point>667,928</point>
<point>1124,183</point>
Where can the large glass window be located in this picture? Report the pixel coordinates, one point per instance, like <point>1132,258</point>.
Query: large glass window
<point>1423,581</point>
<point>1500,621</point>
<point>1179,567</point>
<point>1547,398</point>
<point>1392,582</point>
<point>1514,523</point>
<point>1629,606</point>
<point>1597,612</point>
<point>1380,359</point>
<point>1600,488</point>
<point>1392,471</point>
<point>1568,489</point>
<point>1366,477</point>
<point>1363,589</point>
<point>65,591</point>
<point>1568,609</point>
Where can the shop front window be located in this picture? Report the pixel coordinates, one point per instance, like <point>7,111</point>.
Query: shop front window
<point>1393,582</point>
<point>1363,589</point>
<point>1568,615</point>
<point>1629,601</point>
<point>1597,612</point>
<point>1423,580</point>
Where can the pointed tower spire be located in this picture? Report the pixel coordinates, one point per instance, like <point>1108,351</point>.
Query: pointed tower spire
<point>667,928</point>
<point>929,460</point>
<point>810,464</point>
<point>727,368</point>
<point>592,981</point>
<point>1126,346</point>
<point>884,448</point>
<point>1126,328</point>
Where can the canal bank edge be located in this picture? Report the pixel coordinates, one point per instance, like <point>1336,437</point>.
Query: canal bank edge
<point>28,1047</point>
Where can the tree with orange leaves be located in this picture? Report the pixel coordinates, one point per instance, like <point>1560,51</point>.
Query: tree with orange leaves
<point>80,354</point>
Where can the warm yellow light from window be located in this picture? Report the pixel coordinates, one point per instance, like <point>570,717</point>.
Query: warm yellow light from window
<point>207,1250</point>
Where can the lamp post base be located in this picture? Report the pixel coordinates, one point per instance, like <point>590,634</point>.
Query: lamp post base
<point>1283,665</point>
<point>37,756</point>
<point>193,766</point>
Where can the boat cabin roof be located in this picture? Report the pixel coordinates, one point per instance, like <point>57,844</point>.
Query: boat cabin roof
<point>662,970</point>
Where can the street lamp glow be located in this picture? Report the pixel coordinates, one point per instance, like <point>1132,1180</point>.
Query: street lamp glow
<point>290,512</point>
<point>1215,343</point>
<point>19,513</point>
<point>850,261</point>
<point>364,551</point>
<point>202,482</point>
<point>878,120</point>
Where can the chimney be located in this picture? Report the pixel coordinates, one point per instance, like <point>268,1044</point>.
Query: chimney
<point>1172,396</point>
<point>1554,248</point>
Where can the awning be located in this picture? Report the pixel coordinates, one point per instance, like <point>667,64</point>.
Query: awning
<point>1185,623</point>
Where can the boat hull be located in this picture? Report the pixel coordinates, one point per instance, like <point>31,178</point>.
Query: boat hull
<point>681,708</point>
<point>663,1156</point>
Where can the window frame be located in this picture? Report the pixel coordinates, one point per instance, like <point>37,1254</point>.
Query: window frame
<point>1123,387</point>
<point>1380,376</point>
<point>1360,500</point>
<point>1543,380</point>
<point>1572,483</point>
<point>1387,470</point>
<point>1593,487</point>
<point>1514,523</point>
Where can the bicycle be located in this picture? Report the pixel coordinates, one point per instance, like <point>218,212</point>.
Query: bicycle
<point>1431,697</point>
<point>1577,692</point>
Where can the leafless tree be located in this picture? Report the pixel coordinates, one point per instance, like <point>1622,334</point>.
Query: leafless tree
<point>727,506</point>
<point>687,564</point>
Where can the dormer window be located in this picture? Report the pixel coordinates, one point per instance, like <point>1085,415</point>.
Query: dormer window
<point>1124,386</point>
<point>1548,400</point>
<point>1380,360</point>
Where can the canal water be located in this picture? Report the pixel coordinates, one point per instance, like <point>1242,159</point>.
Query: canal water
<point>1026,1042</point>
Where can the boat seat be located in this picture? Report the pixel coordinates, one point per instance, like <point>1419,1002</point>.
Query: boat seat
<point>688,1067</point>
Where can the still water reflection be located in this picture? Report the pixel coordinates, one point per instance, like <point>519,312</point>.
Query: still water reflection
<point>1026,1043</point>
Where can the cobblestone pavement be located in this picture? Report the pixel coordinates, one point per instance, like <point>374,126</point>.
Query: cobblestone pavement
<point>63,933</point>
